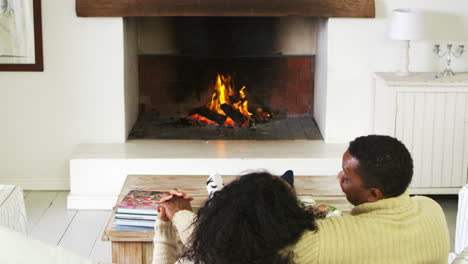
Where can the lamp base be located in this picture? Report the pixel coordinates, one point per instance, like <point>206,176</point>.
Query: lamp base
<point>404,59</point>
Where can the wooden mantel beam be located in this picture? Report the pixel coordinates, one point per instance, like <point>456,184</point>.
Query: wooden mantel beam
<point>251,8</point>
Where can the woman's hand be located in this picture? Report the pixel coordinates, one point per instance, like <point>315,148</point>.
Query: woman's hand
<point>172,203</point>
<point>174,192</point>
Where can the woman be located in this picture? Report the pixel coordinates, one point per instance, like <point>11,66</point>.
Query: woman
<point>251,220</point>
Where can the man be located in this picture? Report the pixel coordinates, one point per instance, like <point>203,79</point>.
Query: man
<point>385,226</point>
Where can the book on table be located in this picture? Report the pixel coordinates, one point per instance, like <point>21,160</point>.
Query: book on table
<point>133,228</point>
<point>131,222</point>
<point>137,211</point>
<point>135,216</point>
<point>140,202</point>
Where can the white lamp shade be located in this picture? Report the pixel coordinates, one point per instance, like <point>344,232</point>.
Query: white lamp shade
<point>407,24</point>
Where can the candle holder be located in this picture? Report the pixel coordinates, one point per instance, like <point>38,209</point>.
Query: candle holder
<point>450,54</point>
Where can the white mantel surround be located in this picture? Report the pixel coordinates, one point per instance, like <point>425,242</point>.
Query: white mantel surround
<point>98,171</point>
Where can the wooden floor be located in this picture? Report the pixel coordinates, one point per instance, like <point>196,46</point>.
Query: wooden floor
<point>80,231</point>
<point>77,230</point>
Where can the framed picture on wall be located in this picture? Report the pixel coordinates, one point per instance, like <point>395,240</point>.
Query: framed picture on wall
<point>20,35</point>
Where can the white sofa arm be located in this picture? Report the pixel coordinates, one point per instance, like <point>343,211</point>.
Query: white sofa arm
<point>461,233</point>
<point>460,254</point>
<point>462,258</point>
<point>12,209</point>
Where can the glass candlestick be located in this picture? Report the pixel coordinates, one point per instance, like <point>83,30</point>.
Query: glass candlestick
<point>449,55</point>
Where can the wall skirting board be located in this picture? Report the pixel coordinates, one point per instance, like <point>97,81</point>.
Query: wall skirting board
<point>37,183</point>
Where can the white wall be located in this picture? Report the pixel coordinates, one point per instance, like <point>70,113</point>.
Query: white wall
<point>321,76</point>
<point>131,73</point>
<point>78,98</point>
<point>359,47</point>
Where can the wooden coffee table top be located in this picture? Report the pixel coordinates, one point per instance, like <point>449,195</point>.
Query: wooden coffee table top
<point>322,189</point>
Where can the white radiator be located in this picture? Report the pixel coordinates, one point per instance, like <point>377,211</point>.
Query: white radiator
<point>433,127</point>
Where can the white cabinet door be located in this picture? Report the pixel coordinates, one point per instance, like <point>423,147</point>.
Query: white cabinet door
<point>433,126</point>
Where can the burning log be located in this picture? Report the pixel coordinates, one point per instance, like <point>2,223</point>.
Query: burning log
<point>211,115</point>
<point>260,116</point>
<point>235,115</point>
<point>228,106</point>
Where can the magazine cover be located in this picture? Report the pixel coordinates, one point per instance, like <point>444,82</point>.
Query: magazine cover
<point>141,199</point>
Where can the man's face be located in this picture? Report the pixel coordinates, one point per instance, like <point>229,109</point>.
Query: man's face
<point>351,183</point>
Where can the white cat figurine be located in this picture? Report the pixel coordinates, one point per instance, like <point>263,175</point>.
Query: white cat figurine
<point>214,184</point>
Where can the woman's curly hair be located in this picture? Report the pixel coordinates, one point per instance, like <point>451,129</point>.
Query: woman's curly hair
<point>251,220</point>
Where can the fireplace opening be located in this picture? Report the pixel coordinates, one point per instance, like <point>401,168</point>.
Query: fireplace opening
<point>228,106</point>
<point>226,78</point>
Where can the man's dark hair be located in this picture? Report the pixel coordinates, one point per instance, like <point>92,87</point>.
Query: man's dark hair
<point>250,220</point>
<point>384,163</point>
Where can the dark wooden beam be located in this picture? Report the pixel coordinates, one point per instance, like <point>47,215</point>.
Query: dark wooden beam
<point>257,8</point>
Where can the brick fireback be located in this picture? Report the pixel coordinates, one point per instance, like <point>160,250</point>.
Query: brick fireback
<point>171,86</point>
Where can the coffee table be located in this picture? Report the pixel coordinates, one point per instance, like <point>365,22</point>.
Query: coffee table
<point>136,247</point>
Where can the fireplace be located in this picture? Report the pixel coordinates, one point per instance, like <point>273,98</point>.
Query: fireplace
<point>98,171</point>
<point>269,63</point>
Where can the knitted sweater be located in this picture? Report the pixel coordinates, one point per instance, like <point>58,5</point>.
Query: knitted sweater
<point>395,230</point>
<point>169,238</point>
<point>400,230</point>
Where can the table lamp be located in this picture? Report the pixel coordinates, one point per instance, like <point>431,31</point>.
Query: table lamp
<point>406,24</point>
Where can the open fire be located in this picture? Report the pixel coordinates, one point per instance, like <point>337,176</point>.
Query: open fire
<point>228,107</point>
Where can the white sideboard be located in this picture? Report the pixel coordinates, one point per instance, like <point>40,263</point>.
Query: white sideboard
<point>430,116</point>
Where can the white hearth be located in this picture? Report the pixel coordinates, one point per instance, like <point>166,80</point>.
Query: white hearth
<point>98,171</point>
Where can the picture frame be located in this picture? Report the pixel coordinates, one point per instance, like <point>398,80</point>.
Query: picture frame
<point>21,35</point>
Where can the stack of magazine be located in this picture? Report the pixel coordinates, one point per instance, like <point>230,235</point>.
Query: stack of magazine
<point>137,211</point>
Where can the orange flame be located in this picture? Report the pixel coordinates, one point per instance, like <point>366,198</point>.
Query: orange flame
<point>224,93</point>
<point>201,120</point>
<point>224,89</point>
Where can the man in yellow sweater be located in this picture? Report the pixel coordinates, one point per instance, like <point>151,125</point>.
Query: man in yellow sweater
<point>385,226</point>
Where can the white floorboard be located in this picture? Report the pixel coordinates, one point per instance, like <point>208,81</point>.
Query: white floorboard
<point>36,204</point>
<point>55,221</point>
<point>78,231</point>
<point>84,231</point>
<point>102,250</point>
<point>450,207</point>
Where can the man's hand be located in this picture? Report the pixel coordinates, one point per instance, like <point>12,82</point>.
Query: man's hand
<point>172,203</point>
